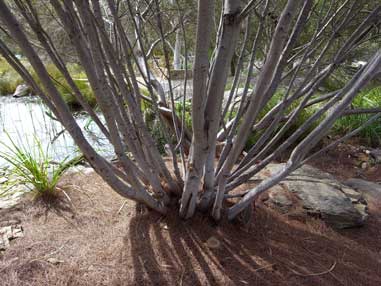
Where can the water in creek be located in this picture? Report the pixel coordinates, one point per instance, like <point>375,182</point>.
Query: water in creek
<point>25,119</point>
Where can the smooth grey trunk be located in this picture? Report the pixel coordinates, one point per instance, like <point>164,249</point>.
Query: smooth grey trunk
<point>177,51</point>
<point>273,57</point>
<point>198,150</point>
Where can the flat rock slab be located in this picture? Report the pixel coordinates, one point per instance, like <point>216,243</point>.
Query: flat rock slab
<point>370,190</point>
<point>9,197</point>
<point>8,201</point>
<point>320,195</point>
<point>376,155</point>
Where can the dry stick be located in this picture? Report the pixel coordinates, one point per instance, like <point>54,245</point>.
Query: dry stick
<point>50,254</point>
<point>264,267</point>
<point>317,261</point>
<point>314,274</point>
<point>120,209</point>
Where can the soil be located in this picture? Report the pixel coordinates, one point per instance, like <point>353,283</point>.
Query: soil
<point>101,239</point>
<point>344,162</point>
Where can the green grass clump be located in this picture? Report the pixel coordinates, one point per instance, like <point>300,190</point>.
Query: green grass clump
<point>371,134</point>
<point>33,168</point>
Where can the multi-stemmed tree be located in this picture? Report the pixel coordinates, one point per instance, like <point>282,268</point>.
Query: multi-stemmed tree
<point>288,48</point>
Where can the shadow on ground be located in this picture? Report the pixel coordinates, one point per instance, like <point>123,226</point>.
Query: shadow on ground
<point>273,251</point>
<point>105,241</point>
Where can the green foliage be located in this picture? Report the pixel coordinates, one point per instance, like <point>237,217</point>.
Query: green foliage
<point>154,125</point>
<point>63,87</point>
<point>9,79</point>
<point>33,168</point>
<point>336,81</point>
<point>156,129</point>
<point>303,116</point>
<point>187,113</point>
<point>371,134</point>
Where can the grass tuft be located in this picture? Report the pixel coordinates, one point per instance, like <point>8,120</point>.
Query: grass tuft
<point>33,167</point>
<point>371,135</point>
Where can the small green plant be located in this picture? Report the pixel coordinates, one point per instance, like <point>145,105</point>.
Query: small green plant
<point>33,167</point>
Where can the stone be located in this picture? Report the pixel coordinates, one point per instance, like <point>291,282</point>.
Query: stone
<point>213,242</point>
<point>10,201</point>
<point>278,196</point>
<point>8,233</point>
<point>22,90</point>
<point>54,261</point>
<point>321,195</point>
<point>9,197</point>
<point>362,157</point>
<point>369,190</point>
<point>363,209</point>
<point>376,155</point>
<point>238,95</point>
<point>79,169</point>
<point>352,194</point>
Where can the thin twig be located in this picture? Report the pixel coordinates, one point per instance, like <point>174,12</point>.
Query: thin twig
<point>120,209</point>
<point>314,274</point>
<point>264,267</point>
